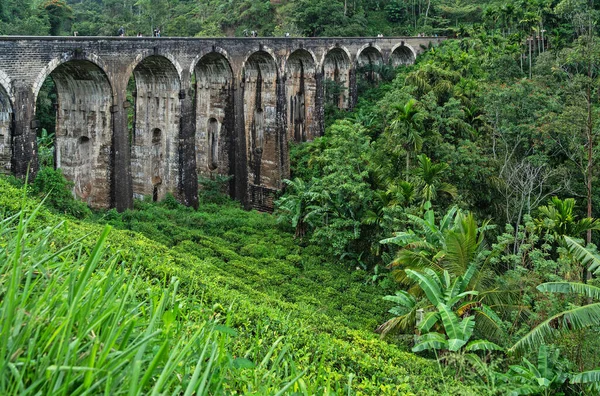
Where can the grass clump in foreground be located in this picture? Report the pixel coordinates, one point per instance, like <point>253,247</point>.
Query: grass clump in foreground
<point>133,315</point>
<point>75,320</point>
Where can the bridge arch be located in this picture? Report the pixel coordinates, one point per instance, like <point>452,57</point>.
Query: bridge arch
<point>212,50</point>
<point>155,136</point>
<point>6,125</point>
<point>402,54</point>
<point>259,80</point>
<point>369,60</point>
<point>301,90</point>
<point>215,116</point>
<point>141,57</point>
<point>336,67</point>
<point>83,135</point>
<point>69,57</point>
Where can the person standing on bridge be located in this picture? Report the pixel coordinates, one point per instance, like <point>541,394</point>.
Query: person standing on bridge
<point>121,32</point>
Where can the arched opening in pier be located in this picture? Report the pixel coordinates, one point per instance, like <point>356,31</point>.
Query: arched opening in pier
<point>336,76</point>
<point>215,118</point>
<point>74,119</point>
<point>370,68</point>
<point>300,88</point>
<point>402,55</point>
<point>155,135</point>
<point>260,114</point>
<point>6,131</point>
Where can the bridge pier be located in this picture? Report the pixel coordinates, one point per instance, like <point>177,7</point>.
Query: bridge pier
<point>24,142</point>
<point>188,178</point>
<point>241,148</point>
<point>122,185</point>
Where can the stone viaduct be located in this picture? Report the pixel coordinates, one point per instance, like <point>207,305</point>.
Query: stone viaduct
<point>226,106</point>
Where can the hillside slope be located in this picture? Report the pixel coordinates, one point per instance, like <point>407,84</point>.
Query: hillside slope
<point>323,317</point>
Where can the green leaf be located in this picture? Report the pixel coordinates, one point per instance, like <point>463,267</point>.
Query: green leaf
<point>226,330</point>
<point>429,320</point>
<point>402,298</point>
<point>482,345</point>
<point>243,363</point>
<point>429,286</point>
<point>586,377</point>
<point>569,320</point>
<point>584,255</point>
<point>584,289</point>
<point>451,322</point>
<point>430,341</point>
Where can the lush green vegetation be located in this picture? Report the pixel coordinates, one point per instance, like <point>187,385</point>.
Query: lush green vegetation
<point>298,17</point>
<point>266,310</point>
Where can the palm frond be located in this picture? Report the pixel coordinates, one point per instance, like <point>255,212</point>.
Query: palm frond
<point>586,377</point>
<point>569,320</point>
<point>584,289</point>
<point>583,255</point>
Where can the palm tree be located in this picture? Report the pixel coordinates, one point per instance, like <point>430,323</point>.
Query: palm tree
<point>406,128</point>
<point>294,205</point>
<point>558,219</point>
<point>429,179</point>
<point>431,77</point>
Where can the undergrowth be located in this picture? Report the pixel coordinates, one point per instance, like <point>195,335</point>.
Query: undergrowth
<point>284,310</point>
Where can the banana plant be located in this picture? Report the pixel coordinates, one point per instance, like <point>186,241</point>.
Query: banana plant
<point>546,376</point>
<point>448,322</point>
<point>541,378</point>
<point>453,246</point>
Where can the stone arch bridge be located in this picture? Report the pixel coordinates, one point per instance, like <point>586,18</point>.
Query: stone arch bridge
<point>222,106</point>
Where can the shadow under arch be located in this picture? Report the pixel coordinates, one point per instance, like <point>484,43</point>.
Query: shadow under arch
<point>157,107</point>
<point>301,89</point>
<point>369,61</point>
<point>6,131</point>
<point>83,137</point>
<point>215,117</point>
<point>402,54</point>
<point>259,83</point>
<point>336,76</point>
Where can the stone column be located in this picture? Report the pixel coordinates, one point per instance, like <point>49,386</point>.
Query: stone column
<point>320,104</point>
<point>122,189</point>
<point>241,160</point>
<point>281,126</point>
<point>24,142</point>
<point>352,88</point>
<point>188,178</point>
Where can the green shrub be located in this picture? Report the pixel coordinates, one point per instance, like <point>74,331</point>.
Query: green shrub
<point>51,184</point>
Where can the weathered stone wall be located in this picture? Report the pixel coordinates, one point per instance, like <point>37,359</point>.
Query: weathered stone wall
<point>154,148</point>
<point>301,89</point>
<point>223,106</point>
<point>215,119</point>
<point>6,122</point>
<point>84,131</point>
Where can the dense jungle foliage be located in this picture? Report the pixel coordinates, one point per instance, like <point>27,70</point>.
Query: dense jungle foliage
<point>439,239</point>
